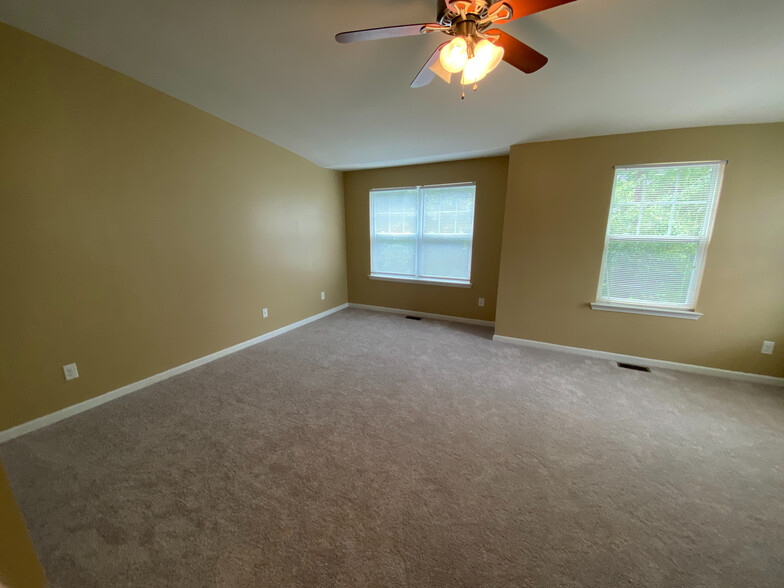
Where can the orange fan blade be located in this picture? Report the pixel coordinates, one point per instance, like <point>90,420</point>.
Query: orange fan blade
<point>516,52</point>
<point>521,8</point>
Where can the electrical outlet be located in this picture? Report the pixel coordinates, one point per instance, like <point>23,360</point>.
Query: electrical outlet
<point>323,295</point>
<point>481,302</point>
<point>767,347</point>
<point>264,313</point>
<point>70,372</point>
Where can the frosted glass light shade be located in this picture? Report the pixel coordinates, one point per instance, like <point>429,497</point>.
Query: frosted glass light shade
<point>490,54</point>
<point>454,56</point>
<point>486,58</point>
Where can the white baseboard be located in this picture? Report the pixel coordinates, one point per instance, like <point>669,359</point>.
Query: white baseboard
<point>430,315</point>
<point>659,363</point>
<point>64,413</point>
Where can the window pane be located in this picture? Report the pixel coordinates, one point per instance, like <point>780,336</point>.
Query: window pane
<point>393,242</point>
<point>666,183</point>
<point>437,247</point>
<point>395,212</point>
<point>624,219</point>
<point>688,219</point>
<point>654,219</point>
<point>449,210</point>
<point>446,258</point>
<point>662,201</point>
<point>396,255</point>
<point>657,232</point>
<point>649,271</point>
<point>447,232</point>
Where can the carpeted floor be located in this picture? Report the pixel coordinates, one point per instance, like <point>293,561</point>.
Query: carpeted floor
<point>369,450</point>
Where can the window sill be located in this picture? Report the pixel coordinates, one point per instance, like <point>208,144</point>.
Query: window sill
<point>651,310</point>
<point>426,281</point>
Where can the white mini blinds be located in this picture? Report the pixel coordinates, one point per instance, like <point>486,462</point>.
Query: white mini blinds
<point>422,233</point>
<point>661,218</point>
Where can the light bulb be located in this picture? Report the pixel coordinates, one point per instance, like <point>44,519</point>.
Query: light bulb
<point>486,58</point>
<point>454,56</point>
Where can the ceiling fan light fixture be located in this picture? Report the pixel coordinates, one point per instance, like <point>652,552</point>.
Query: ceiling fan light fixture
<point>486,58</point>
<point>489,53</point>
<point>454,56</point>
<point>475,47</point>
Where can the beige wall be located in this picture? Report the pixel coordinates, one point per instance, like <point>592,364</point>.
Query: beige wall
<point>490,177</point>
<point>556,213</point>
<point>19,565</point>
<point>138,233</point>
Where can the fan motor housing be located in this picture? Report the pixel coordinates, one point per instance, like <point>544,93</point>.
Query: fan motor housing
<point>465,27</point>
<point>448,17</point>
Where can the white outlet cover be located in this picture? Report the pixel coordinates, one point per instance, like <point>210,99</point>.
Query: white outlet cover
<point>767,347</point>
<point>70,372</point>
<point>264,313</point>
<point>481,302</point>
<point>323,295</point>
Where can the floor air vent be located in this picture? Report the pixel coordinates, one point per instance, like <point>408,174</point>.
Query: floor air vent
<point>631,366</point>
<point>414,318</point>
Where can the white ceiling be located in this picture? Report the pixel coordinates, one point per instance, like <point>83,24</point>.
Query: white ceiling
<point>274,69</point>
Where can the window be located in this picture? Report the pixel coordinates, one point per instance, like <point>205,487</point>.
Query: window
<point>661,218</point>
<point>423,233</point>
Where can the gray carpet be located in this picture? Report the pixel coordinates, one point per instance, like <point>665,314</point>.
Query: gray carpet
<point>370,450</point>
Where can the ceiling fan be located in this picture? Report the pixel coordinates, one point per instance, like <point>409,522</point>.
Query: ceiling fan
<point>476,49</point>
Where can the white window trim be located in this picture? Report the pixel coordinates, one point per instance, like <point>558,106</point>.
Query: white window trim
<point>408,279</point>
<point>670,311</point>
<point>651,310</point>
<point>428,280</point>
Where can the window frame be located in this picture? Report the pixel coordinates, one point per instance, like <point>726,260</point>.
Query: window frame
<point>687,310</point>
<point>418,278</point>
